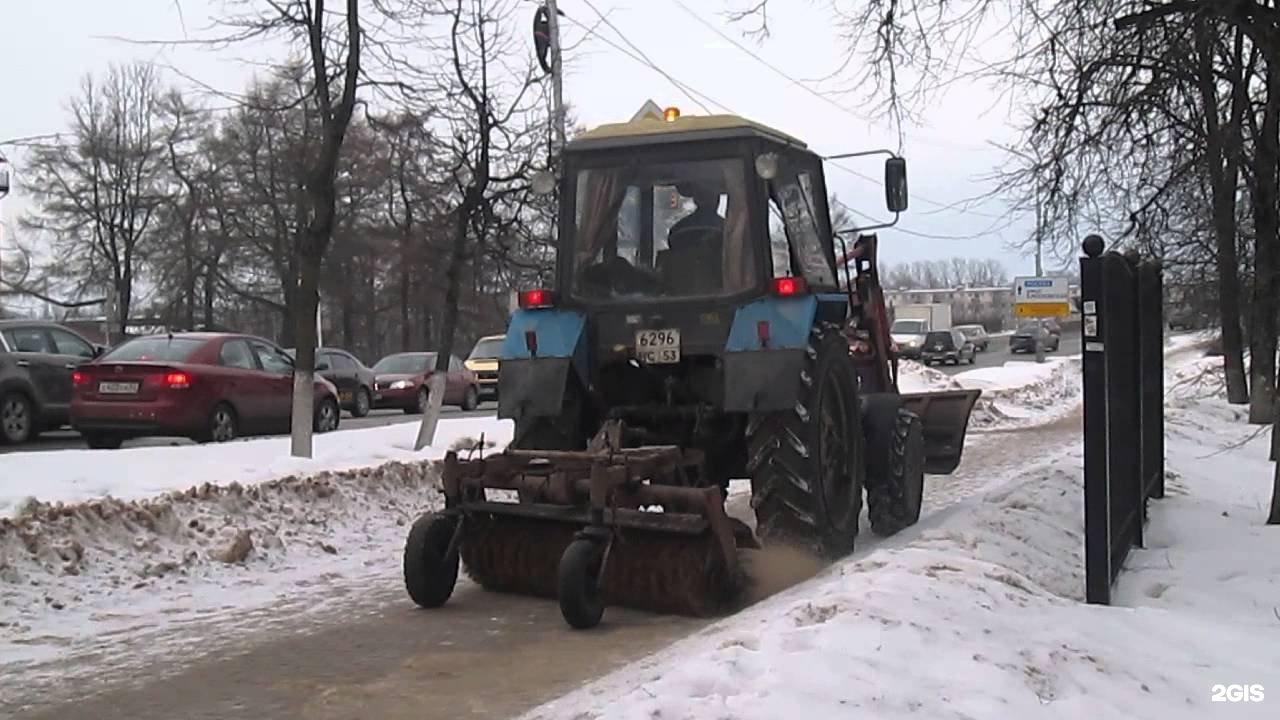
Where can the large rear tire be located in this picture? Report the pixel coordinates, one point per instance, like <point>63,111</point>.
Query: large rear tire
<point>895,496</point>
<point>806,463</point>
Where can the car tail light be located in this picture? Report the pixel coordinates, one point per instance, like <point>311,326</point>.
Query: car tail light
<point>538,298</point>
<point>788,286</point>
<point>79,377</point>
<point>177,380</point>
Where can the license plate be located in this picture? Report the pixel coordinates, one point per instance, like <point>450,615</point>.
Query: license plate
<point>658,347</point>
<point>344,396</point>
<point>118,388</point>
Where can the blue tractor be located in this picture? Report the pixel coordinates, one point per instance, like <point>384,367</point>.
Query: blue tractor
<point>706,324</point>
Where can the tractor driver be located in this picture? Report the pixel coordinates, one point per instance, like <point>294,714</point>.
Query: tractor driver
<point>697,240</point>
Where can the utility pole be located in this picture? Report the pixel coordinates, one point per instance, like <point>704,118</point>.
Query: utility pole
<point>1039,235</point>
<point>557,77</point>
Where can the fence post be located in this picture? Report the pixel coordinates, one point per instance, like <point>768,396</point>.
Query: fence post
<point>1097,524</point>
<point>1151,357</point>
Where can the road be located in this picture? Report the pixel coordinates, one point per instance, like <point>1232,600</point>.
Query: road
<point>997,354</point>
<point>66,439</point>
<point>484,655</point>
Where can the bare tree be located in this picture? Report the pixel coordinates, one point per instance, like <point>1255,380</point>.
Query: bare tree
<point>332,40</point>
<point>99,189</point>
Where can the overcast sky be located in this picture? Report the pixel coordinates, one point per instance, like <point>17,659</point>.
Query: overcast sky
<point>48,45</point>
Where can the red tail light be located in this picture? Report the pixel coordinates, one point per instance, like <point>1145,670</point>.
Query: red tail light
<point>537,299</point>
<point>79,378</point>
<point>788,286</point>
<point>177,380</point>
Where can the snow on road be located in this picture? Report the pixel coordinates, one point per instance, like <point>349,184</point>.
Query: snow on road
<point>980,613</point>
<point>136,473</point>
<point>108,555</point>
<point>1018,394</point>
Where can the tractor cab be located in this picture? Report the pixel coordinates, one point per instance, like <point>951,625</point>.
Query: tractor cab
<point>691,209</point>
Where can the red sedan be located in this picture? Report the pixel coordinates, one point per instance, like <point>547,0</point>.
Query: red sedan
<point>400,381</point>
<point>211,387</point>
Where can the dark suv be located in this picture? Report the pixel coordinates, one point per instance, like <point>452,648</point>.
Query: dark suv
<point>947,346</point>
<point>36,362</point>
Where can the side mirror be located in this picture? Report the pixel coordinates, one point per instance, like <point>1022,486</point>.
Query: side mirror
<point>98,351</point>
<point>895,184</point>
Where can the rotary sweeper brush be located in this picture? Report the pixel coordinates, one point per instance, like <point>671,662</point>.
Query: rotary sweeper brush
<point>702,327</point>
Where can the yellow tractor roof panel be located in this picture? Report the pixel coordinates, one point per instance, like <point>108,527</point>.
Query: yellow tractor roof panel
<point>691,126</point>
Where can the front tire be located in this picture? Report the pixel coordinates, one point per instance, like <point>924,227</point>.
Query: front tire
<point>895,495</point>
<point>421,402</point>
<point>577,584</point>
<point>806,463</point>
<point>430,575</point>
<point>471,400</point>
<point>363,404</point>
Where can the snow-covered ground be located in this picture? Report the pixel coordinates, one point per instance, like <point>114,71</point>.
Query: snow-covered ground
<point>1017,394</point>
<point>135,473</point>
<point>979,613</point>
<point>106,553</point>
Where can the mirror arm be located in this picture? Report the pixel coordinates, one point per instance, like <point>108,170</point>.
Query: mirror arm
<point>856,230</point>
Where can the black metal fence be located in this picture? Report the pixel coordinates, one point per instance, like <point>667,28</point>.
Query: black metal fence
<point>1123,331</point>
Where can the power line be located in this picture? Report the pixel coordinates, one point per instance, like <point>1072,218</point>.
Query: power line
<point>640,57</point>
<point>825,98</point>
<point>803,85</point>
<point>645,59</point>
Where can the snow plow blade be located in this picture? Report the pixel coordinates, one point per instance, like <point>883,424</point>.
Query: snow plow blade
<point>595,528</point>
<point>945,417</point>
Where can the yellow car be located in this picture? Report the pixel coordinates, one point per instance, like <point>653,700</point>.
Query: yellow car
<point>483,361</point>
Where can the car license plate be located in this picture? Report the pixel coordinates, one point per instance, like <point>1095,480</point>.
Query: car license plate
<point>658,347</point>
<point>344,396</point>
<point>118,388</point>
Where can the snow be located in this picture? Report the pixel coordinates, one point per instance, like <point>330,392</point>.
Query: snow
<point>135,473</point>
<point>1017,394</point>
<point>124,556</point>
<point>978,612</point>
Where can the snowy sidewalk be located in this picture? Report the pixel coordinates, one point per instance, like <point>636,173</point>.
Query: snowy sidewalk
<point>981,615</point>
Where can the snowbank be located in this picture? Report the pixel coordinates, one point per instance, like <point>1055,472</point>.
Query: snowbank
<point>980,614</point>
<point>135,473</point>
<point>1014,395</point>
<point>123,546</point>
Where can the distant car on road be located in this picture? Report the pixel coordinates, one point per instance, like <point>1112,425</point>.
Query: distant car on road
<point>37,360</point>
<point>947,347</point>
<point>977,335</point>
<point>1024,338</point>
<point>483,361</point>
<point>400,381</point>
<point>210,387</point>
<point>353,378</point>
<point>908,336</point>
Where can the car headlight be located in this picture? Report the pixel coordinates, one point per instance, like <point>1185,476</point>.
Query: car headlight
<point>400,384</point>
<point>913,343</point>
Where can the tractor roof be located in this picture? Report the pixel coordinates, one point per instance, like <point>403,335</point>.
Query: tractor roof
<point>647,130</point>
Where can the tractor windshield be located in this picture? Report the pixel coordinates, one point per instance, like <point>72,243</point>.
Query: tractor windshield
<point>663,230</point>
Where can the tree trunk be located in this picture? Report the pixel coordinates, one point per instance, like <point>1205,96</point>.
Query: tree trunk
<point>453,286</point>
<point>304,342</point>
<point>1224,173</point>
<point>1265,305</point>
